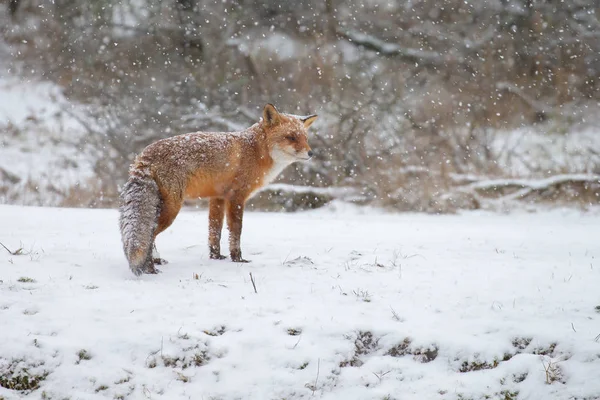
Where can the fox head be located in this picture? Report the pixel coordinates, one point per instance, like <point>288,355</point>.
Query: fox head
<point>286,135</point>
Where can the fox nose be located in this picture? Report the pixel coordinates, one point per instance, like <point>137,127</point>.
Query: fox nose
<point>310,153</point>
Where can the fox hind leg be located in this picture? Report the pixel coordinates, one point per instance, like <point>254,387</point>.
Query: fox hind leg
<point>169,209</point>
<point>156,260</point>
<point>235,212</point>
<point>149,267</point>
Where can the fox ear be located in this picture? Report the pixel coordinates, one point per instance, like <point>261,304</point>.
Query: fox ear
<point>271,115</point>
<point>308,121</point>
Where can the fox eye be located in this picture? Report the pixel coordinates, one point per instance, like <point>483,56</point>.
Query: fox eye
<point>291,138</point>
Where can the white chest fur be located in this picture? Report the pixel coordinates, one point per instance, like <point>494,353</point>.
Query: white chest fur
<point>281,160</point>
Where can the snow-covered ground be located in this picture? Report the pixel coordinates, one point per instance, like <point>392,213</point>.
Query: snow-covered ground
<point>350,304</point>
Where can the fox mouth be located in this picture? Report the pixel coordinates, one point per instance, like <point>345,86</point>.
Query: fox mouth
<point>297,157</point>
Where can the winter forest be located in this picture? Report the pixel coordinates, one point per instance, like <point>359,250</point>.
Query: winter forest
<point>423,105</point>
<point>441,243</point>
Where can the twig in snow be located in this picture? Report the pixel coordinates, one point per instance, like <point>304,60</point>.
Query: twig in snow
<point>300,337</point>
<point>552,370</point>
<point>146,392</point>
<point>286,258</point>
<point>394,260</point>
<point>183,378</point>
<point>573,326</point>
<point>318,370</point>
<point>364,295</point>
<point>253,283</point>
<point>395,315</point>
<point>314,387</point>
<point>17,252</point>
<point>381,375</point>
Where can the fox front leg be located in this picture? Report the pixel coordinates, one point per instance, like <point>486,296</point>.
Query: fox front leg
<point>215,226</point>
<point>235,212</point>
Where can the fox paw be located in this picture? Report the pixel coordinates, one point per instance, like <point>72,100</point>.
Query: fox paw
<point>217,256</point>
<point>150,270</point>
<point>236,256</point>
<point>159,261</point>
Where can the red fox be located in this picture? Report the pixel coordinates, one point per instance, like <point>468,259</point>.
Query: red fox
<point>225,167</point>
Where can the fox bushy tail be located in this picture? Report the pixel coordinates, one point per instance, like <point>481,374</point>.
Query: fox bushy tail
<point>140,209</point>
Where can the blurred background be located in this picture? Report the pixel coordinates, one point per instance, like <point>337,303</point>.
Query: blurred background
<point>424,105</point>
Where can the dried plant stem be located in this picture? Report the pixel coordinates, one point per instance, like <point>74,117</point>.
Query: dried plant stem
<point>253,283</point>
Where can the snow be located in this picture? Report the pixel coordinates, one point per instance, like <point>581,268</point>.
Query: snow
<point>461,288</point>
<point>339,191</point>
<point>22,100</point>
<point>532,151</point>
<point>40,143</point>
<point>537,183</point>
<point>383,47</point>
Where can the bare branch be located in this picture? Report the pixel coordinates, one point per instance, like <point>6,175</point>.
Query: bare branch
<point>533,103</point>
<point>393,50</point>
<point>17,252</point>
<point>253,283</point>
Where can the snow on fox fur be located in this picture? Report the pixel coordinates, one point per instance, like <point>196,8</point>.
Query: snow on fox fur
<point>225,167</point>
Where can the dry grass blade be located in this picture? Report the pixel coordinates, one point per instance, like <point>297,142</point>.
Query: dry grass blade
<point>395,315</point>
<point>317,378</point>
<point>552,371</point>
<point>313,387</point>
<point>17,252</point>
<point>253,283</point>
